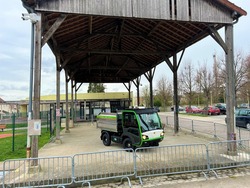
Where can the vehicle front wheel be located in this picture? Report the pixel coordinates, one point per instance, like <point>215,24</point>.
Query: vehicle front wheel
<point>127,143</point>
<point>248,126</point>
<point>106,140</point>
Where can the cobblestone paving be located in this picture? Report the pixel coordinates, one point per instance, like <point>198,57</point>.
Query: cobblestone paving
<point>178,179</point>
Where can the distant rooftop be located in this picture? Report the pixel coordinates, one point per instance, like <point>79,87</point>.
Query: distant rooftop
<point>1,100</point>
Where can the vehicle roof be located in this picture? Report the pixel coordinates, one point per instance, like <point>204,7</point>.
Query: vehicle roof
<point>141,111</point>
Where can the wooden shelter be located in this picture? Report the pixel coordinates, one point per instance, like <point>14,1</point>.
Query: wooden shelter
<point>118,41</point>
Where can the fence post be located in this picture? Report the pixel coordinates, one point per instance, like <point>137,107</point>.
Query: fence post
<point>240,143</point>
<point>239,134</point>
<point>208,159</point>
<point>13,132</point>
<point>215,136</point>
<point>166,120</point>
<point>192,122</point>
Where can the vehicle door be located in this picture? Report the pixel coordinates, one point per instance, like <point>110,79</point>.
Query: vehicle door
<point>131,127</point>
<point>240,119</point>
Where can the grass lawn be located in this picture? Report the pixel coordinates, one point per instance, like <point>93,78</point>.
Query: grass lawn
<point>20,143</point>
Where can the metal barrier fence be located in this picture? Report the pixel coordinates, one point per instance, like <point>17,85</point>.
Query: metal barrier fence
<point>38,172</point>
<point>170,160</point>
<point>228,154</point>
<point>216,130</point>
<point>103,165</point>
<point>143,162</point>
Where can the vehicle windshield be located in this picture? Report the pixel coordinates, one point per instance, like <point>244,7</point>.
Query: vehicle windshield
<point>149,122</point>
<point>242,112</point>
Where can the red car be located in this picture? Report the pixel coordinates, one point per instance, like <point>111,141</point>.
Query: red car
<point>193,109</point>
<point>211,110</point>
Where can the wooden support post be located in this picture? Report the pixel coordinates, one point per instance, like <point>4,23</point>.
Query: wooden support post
<point>129,94</point>
<point>230,83</point>
<point>58,115</point>
<point>137,84</point>
<point>72,103</point>
<point>67,102</point>
<point>37,87</point>
<point>176,100</point>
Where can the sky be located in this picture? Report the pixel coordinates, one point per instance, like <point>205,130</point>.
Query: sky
<point>15,42</point>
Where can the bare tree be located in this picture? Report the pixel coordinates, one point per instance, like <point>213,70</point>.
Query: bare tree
<point>244,92</point>
<point>205,79</point>
<point>241,72</point>
<point>187,81</point>
<point>146,96</point>
<point>218,89</point>
<point>164,91</point>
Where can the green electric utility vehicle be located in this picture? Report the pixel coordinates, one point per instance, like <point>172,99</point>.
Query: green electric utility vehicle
<point>131,127</point>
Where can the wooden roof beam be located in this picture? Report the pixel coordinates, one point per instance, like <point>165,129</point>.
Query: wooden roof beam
<point>53,29</point>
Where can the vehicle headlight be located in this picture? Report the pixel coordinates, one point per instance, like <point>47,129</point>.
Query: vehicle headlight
<point>162,134</point>
<point>144,137</point>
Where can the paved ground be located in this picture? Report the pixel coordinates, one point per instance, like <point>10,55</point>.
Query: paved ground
<point>80,137</point>
<point>85,137</point>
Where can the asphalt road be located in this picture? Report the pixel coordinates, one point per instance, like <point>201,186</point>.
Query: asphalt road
<point>213,126</point>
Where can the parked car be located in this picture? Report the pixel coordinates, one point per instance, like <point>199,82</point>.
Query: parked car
<point>211,110</point>
<point>244,105</point>
<point>193,109</point>
<point>222,107</point>
<point>242,118</point>
<point>180,108</point>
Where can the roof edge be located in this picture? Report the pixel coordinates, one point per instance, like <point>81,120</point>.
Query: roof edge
<point>234,7</point>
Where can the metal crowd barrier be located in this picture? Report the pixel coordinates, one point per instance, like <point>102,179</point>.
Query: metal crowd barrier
<point>216,130</point>
<point>38,172</point>
<point>228,154</point>
<point>175,159</point>
<point>123,164</point>
<point>103,165</point>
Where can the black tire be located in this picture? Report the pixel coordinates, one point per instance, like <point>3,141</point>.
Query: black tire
<point>106,140</point>
<point>156,144</point>
<point>127,143</point>
<point>248,126</point>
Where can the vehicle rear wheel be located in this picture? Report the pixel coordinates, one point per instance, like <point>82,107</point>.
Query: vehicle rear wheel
<point>248,126</point>
<point>127,143</point>
<point>106,140</point>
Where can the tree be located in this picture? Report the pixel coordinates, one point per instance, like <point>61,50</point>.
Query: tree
<point>244,92</point>
<point>241,72</point>
<point>146,96</point>
<point>96,88</point>
<point>204,78</point>
<point>187,82</point>
<point>163,92</point>
<point>218,89</point>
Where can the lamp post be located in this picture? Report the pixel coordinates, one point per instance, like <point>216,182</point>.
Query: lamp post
<point>34,19</point>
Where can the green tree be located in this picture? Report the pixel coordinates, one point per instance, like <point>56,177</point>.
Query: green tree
<point>96,88</point>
